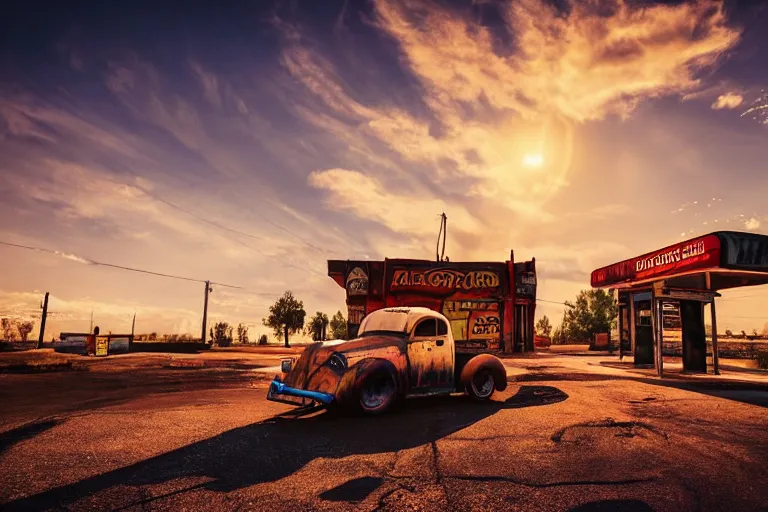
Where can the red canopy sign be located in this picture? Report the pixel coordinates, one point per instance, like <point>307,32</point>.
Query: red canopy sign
<point>699,253</point>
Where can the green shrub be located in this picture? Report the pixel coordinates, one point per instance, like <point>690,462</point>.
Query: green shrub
<point>762,360</point>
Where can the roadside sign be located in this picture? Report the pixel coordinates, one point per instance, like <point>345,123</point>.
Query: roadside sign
<point>102,345</point>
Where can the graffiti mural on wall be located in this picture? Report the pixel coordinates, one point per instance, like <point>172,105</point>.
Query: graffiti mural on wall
<point>355,313</point>
<point>485,326</point>
<point>476,322</point>
<point>357,282</point>
<point>476,297</point>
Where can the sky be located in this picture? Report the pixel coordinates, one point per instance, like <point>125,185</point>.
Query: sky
<point>247,143</point>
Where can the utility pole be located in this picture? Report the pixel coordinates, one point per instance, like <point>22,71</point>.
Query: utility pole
<point>90,328</point>
<point>42,322</point>
<point>133,330</point>
<point>208,289</point>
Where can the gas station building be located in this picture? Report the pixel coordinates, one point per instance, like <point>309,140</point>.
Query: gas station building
<point>490,305</point>
<point>689,275</point>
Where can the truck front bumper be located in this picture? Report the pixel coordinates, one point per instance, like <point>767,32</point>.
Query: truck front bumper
<point>279,392</point>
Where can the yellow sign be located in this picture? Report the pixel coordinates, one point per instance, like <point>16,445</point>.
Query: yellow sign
<point>102,345</point>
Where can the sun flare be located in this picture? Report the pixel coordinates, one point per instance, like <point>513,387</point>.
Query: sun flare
<point>533,160</point>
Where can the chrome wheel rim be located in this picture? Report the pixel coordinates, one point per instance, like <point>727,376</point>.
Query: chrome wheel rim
<point>376,392</point>
<point>482,384</point>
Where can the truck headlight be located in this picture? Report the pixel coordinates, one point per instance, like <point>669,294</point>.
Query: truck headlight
<point>285,365</point>
<point>337,362</point>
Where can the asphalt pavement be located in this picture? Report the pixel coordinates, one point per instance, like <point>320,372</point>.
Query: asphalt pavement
<point>570,433</point>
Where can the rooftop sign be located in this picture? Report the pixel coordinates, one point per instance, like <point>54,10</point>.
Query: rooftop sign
<point>699,253</point>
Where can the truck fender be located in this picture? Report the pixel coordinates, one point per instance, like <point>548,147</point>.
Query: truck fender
<point>489,362</point>
<point>355,376</point>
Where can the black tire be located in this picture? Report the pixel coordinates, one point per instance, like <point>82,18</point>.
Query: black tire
<point>482,385</point>
<point>378,392</point>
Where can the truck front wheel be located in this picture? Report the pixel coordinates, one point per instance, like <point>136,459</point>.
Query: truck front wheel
<point>481,386</point>
<point>378,392</point>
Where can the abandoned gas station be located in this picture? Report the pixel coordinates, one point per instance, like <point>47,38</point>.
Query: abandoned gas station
<point>490,305</point>
<point>688,275</point>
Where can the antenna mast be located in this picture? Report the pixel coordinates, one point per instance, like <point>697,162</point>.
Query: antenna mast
<point>440,255</point>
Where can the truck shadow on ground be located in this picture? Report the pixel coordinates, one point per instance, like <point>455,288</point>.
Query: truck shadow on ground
<point>275,448</point>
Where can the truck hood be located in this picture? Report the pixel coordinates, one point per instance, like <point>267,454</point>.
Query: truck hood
<point>364,343</point>
<point>316,355</point>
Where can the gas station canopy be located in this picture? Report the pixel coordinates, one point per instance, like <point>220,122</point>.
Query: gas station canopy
<point>720,260</point>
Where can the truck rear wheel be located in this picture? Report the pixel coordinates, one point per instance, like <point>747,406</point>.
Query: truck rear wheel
<point>481,386</point>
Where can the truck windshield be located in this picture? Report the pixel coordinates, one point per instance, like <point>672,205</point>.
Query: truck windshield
<point>388,321</point>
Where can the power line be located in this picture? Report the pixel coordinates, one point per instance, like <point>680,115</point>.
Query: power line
<point>236,231</point>
<point>227,228</point>
<point>88,261</point>
<point>551,302</point>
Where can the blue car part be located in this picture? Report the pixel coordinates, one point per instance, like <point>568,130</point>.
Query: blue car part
<point>279,388</point>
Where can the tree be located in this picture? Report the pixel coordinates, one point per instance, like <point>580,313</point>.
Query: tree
<point>153,336</point>
<point>557,336</point>
<point>24,329</point>
<point>242,333</point>
<point>593,312</point>
<point>7,326</point>
<point>317,326</point>
<point>263,339</point>
<point>221,334</point>
<point>286,316</point>
<point>338,327</point>
<point>543,327</point>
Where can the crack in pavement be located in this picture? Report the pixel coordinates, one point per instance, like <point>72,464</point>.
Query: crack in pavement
<point>436,462</point>
<point>552,484</point>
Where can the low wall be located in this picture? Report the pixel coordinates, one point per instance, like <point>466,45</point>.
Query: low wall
<point>176,348</point>
<point>68,347</point>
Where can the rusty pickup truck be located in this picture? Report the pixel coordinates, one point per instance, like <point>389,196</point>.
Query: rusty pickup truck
<point>399,352</point>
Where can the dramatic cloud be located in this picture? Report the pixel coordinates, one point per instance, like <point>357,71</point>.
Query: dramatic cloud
<point>585,64</point>
<point>365,197</point>
<point>729,100</point>
<point>491,113</point>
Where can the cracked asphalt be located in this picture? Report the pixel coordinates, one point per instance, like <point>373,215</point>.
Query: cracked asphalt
<point>132,434</point>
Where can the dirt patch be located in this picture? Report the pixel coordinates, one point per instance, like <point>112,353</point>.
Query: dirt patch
<point>608,427</point>
<point>42,367</point>
<point>643,401</point>
<point>581,377</point>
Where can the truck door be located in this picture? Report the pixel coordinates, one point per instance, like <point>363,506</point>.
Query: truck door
<point>430,356</point>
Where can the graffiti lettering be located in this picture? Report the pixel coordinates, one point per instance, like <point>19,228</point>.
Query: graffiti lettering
<point>445,278</point>
<point>478,306</point>
<point>486,326</point>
